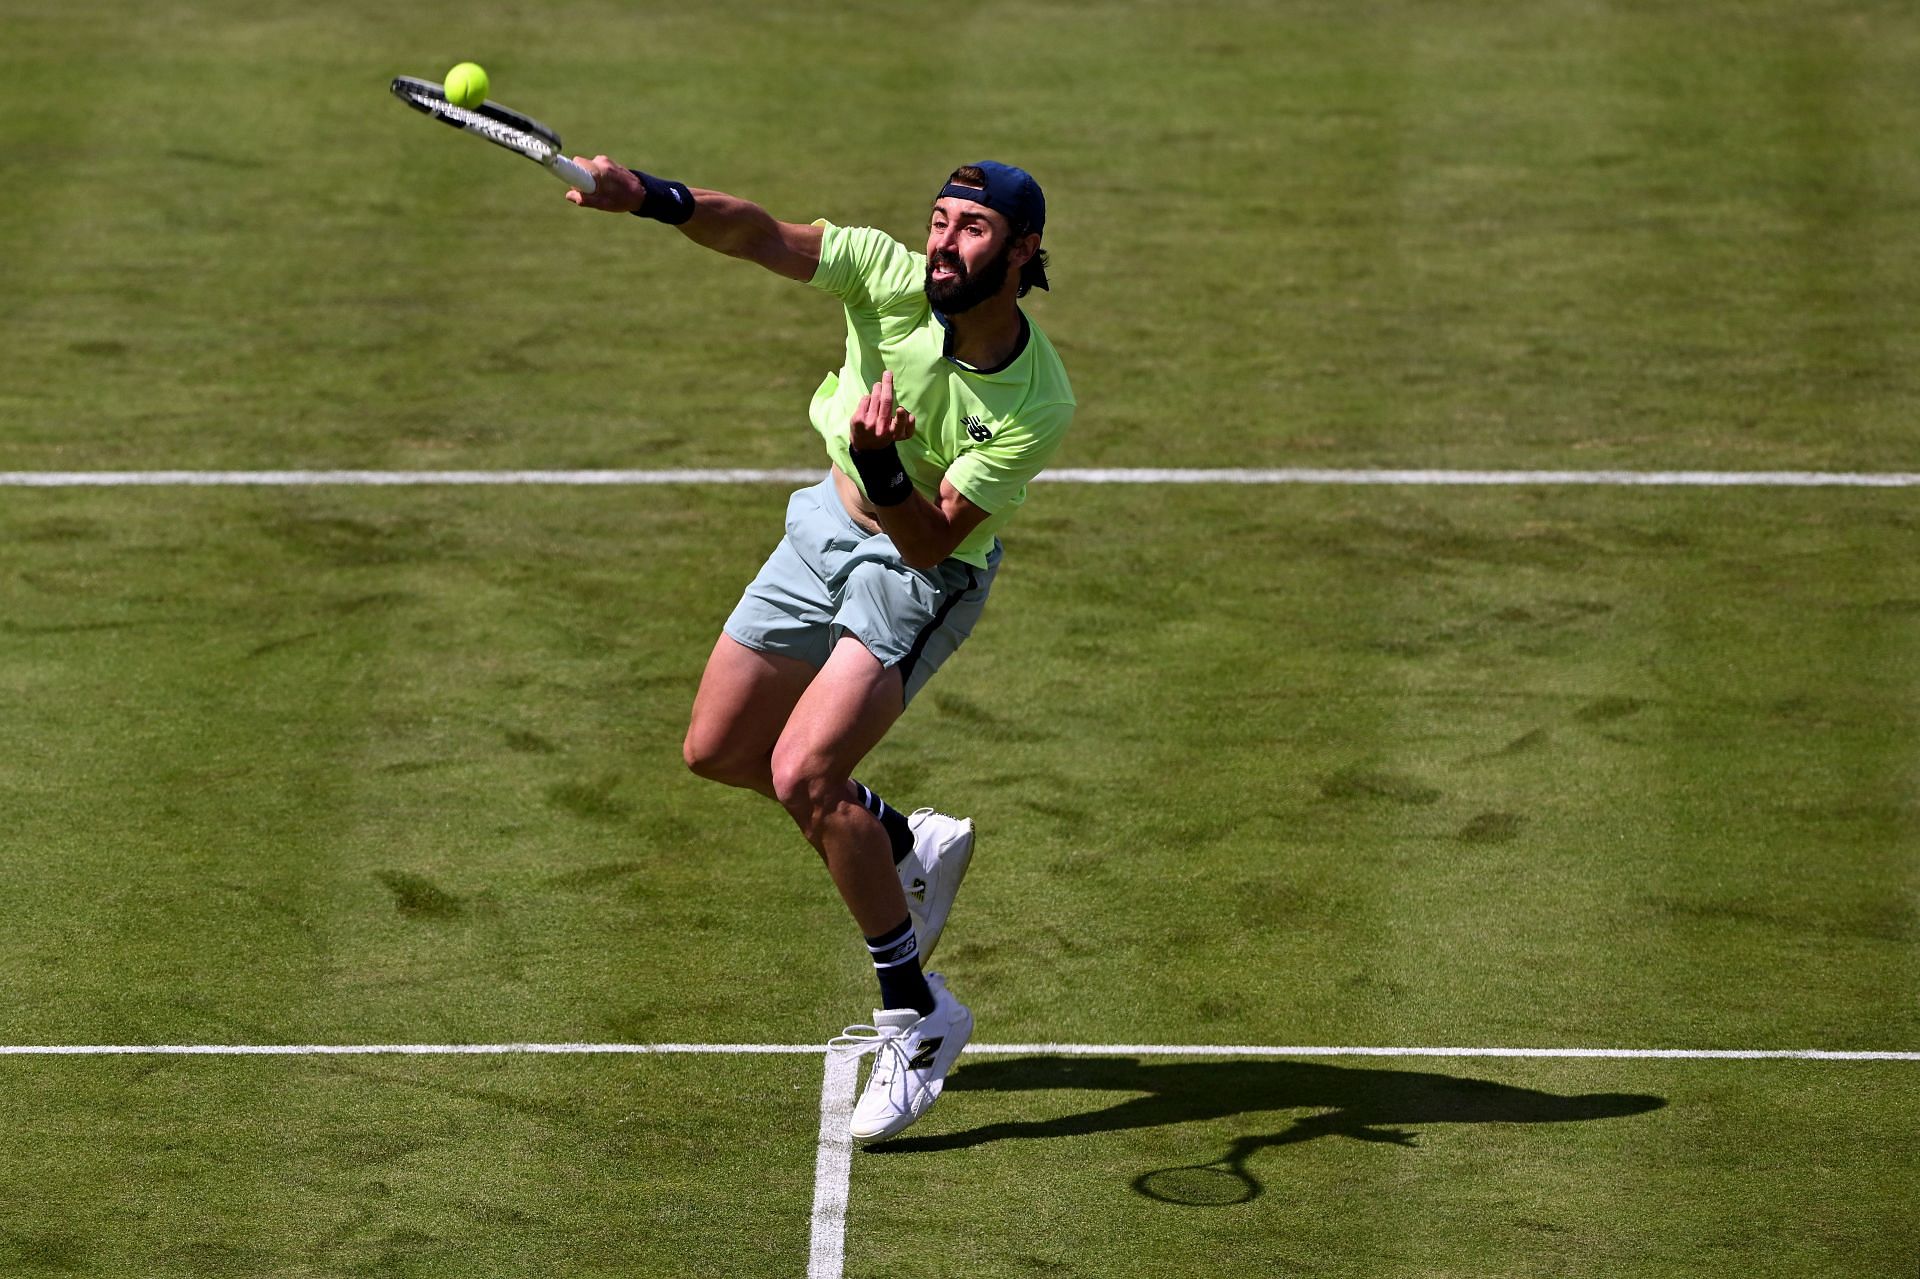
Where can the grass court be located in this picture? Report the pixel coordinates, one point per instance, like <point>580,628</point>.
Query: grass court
<point>1540,766</point>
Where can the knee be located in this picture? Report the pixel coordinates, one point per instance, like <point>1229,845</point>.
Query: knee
<point>710,758</point>
<point>700,756</point>
<point>804,789</point>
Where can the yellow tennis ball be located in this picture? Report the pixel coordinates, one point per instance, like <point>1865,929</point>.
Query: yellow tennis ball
<point>467,85</point>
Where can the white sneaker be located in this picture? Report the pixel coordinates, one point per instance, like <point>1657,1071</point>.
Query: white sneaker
<point>912,1055</point>
<point>931,873</point>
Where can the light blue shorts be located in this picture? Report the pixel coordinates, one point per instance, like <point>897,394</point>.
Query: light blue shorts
<point>829,577</point>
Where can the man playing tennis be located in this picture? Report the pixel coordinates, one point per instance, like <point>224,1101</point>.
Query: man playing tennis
<point>948,402</point>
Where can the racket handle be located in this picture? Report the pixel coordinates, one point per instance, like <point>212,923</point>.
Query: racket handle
<point>575,176</point>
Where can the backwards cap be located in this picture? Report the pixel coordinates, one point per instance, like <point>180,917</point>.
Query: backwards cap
<point>1015,196</point>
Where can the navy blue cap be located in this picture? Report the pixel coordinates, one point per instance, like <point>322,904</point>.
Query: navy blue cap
<point>1015,196</point>
<point>1010,192</point>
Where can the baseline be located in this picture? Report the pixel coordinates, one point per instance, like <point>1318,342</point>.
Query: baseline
<point>1033,1049</point>
<point>1069,475</point>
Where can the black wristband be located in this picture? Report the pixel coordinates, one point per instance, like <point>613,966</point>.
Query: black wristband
<point>668,202</point>
<point>884,477</point>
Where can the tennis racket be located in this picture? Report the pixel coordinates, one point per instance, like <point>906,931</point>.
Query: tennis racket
<point>522,135</point>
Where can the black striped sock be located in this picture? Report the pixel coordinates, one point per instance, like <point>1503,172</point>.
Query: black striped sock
<point>898,832</point>
<point>896,961</point>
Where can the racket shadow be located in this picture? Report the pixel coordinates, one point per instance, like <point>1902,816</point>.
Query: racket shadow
<point>1372,1105</point>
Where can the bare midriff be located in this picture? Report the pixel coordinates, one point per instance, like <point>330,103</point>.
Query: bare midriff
<point>858,508</point>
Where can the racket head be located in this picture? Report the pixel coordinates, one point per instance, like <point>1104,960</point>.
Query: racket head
<point>1216,1185</point>
<point>520,134</point>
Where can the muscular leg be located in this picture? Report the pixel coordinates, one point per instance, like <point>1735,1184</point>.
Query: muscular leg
<point>841,716</point>
<point>774,725</point>
<point>744,701</point>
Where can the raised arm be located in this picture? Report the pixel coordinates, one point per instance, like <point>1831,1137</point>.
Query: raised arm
<point>724,223</point>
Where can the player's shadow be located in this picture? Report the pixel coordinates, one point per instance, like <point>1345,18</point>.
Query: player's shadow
<point>1338,1101</point>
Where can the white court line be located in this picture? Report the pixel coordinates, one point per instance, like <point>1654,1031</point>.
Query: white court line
<point>302,479</point>
<point>1035,1049</point>
<point>833,1167</point>
<point>1275,1050</point>
<point>377,1050</point>
<point>1629,479</point>
<point>1097,475</point>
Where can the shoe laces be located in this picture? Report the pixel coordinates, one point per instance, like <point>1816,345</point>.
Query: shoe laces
<point>891,1059</point>
<point>861,1038</point>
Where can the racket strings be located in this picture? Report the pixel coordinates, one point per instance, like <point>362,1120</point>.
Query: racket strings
<point>536,142</point>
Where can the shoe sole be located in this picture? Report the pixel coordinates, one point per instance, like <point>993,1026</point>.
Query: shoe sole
<point>965,860</point>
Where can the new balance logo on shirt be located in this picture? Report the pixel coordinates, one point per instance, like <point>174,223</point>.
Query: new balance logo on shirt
<point>976,428</point>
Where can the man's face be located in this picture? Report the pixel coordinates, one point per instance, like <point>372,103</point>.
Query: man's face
<point>969,251</point>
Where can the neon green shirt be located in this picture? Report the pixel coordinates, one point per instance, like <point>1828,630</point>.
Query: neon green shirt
<point>987,431</point>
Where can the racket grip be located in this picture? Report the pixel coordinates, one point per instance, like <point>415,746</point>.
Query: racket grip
<point>575,176</point>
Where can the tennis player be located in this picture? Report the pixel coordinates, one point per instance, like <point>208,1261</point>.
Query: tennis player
<point>949,400</point>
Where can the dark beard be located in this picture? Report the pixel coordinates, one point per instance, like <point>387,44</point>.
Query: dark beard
<point>966,291</point>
